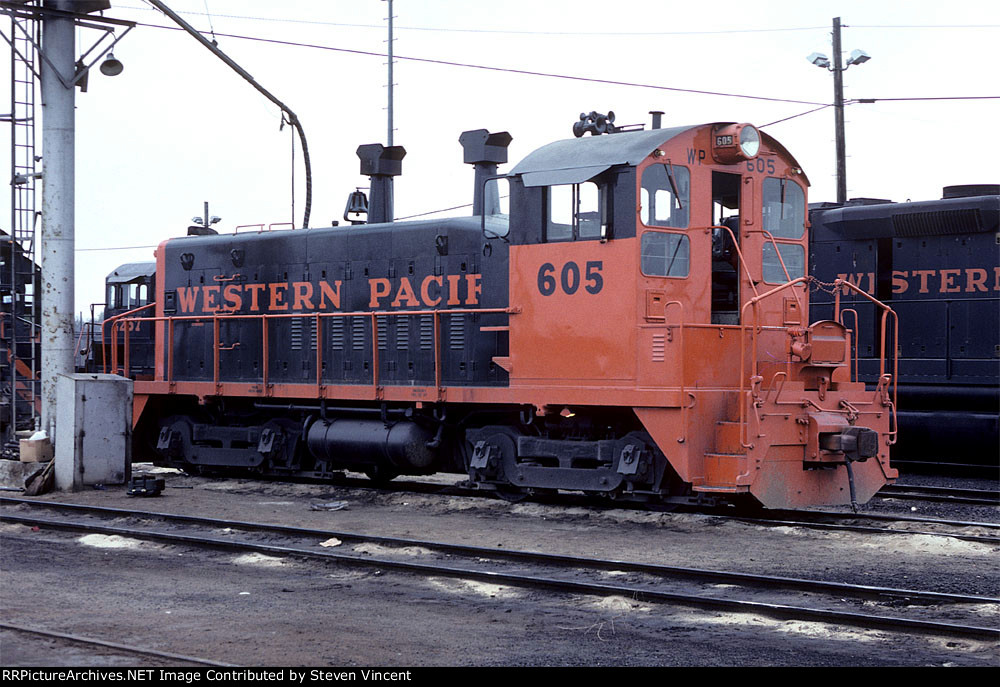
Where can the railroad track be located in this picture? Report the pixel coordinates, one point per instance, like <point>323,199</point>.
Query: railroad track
<point>861,522</point>
<point>815,519</point>
<point>128,649</point>
<point>768,595</point>
<point>979,497</point>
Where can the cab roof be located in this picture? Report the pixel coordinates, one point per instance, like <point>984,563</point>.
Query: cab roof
<point>575,160</point>
<point>131,270</point>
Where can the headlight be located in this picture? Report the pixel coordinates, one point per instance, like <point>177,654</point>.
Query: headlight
<point>733,143</point>
<point>749,141</point>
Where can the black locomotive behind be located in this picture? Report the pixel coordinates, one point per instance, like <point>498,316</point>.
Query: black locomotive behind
<point>937,263</point>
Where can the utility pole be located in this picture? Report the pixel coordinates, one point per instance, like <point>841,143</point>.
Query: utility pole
<point>389,136</point>
<point>838,105</point>
<point>838,69</point>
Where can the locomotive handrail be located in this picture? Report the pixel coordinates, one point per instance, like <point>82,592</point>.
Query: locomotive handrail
<point>753,353</point>
<point>857,339</point>
<point>753,302</point>
<point>739,254</point>
<point>114,320</point>
<point>79,340</point>
<point>216,319</point>
<point>886,311</point>
<point>260,226</point>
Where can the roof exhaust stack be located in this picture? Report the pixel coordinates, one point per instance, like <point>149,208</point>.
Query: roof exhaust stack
<point>657,118</point>
<point>485,151</point>
<point>381,164</point>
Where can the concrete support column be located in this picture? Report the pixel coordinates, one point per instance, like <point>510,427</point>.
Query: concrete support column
<point>58,202</point>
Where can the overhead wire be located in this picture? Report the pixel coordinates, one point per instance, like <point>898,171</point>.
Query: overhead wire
<point>801,114</point>
<point>518,32</point>
<point>821,106</point>
<point>943,97</point>
<point>553,75</point>
<point>106,248</point>
<point>508,70</point>
<point>522,32</point>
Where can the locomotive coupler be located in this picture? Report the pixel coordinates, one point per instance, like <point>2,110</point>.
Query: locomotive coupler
<point>858,444</point>
<point>832,440</point>
<point>840,445</point>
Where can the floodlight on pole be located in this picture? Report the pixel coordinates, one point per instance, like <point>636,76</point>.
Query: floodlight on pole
<point>111,66</point>
<point>821,60</point>
<point>858,57</point>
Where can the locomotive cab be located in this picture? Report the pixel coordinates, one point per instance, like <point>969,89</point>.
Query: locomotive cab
<point>639,262</point>
<point>129,289</point>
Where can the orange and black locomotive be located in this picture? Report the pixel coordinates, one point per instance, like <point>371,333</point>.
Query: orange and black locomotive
<point>635,326</point>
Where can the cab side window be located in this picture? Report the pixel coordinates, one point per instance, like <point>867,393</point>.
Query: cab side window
<point>784,215</point>
<point>784,208</point>
<point>792,254</point>
<point>576,212</point>
<point>666,192</point>
<point>665,254</point>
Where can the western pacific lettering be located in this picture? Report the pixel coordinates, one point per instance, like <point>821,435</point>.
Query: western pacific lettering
<point>954,280</point>
<point>305,296</point>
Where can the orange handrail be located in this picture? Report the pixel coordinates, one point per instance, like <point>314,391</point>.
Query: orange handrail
<point>743,328</point>
<point>114,323</point>
<point>857,339</point>
<point>886,311</point>
<point>120,321</point>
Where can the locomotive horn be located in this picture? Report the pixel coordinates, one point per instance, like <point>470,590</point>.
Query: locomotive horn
<point>596,123</point>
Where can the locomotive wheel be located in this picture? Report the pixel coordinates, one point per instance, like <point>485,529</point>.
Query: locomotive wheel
<point>511,494</point>
<point>380,475</point>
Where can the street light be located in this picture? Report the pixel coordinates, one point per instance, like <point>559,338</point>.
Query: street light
<point>821,60</point>
<point>858,57</point>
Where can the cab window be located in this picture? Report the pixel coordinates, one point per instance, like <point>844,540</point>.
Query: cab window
<point>576,212</point>
<point>784,208</point>
<point>665,254</point>
<point>665,192</point>
<point>794,257</point>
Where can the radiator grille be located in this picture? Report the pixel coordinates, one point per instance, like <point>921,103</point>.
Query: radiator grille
<point>936,222</point>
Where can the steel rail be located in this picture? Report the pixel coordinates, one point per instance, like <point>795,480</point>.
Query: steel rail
<point>868,529</point>
<point>861,591</point>
<point>780,611</point>
<point>988,497</point>
<point>806,519</point>
<point>126,648</point>
<point>887,517</point>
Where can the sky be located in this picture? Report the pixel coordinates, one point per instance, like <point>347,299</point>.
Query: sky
<point>178,127</point>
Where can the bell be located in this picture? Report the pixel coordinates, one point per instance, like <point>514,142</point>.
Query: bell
<point>357,204</point>
<point>110,66</point>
